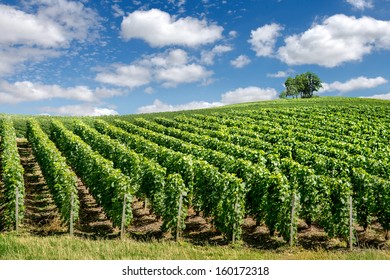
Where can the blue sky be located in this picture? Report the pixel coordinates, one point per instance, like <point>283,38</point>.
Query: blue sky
<point>63,57</point>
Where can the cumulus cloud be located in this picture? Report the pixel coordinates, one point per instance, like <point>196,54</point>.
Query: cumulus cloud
<point>353,84</point>
<point>55,24</point>
<point>130,76</point>
<point>172,57</point>
<point>169,68</point>
<point>79,110</point>
<point>49,27</point>
<point>160,29</point>
<point>207,57</point>
<point>190,73</point>
<point>26,91</point>
<point>263,39</point>
<point>241,61</point>
<point>248,94</point>
<point>281,74</point>
<point>159,106</point>
<point>385,96</point>
<point>240,95</point>
<point>336,40</point>
<point>361,4</point>
<point>18,27</point>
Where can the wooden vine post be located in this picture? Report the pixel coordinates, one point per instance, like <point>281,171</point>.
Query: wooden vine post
<point>17,209</point>
<point>146,203</point>
<point>71,214</point>
<point>350,224</point>
<point>234,225</point>
<point>178,228</point>
<point>123,218</point>
<point>292,220</point>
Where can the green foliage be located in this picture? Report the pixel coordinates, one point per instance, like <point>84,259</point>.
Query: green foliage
<point>278,206</point>
<point>363,194</point>
<point>107,184</point>
<point>382,202</point>
<point>205,141</point>
<point>61,180</point>
<point>204,182</point>
<point>255,159</point>
<point>171,161</point>
<point>12,176</point>
<point>304,85</point>
<point>175,199</point>
<point>231,206</point>
<point>283,94</point>
<point>335,213</point>
<point>149,177</point>
<point>126,160</point>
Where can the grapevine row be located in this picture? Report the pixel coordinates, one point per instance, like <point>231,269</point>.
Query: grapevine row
<point>61,180</point>
<point>12,177</point>
<point>110,188</point>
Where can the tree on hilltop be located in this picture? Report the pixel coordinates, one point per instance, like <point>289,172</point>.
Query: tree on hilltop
<point>303,85</point>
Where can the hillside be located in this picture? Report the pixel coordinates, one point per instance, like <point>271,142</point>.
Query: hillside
<point>268,174</point>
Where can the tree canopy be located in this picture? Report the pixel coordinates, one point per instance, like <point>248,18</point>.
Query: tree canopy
<point>303,85</point>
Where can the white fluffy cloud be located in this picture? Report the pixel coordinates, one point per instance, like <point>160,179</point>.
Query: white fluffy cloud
<point>241,61</point>
<point>361,4</point>
<point>76,21</point>
<point>79,110</point>
<point>170,69</point>
<point>281,74</point>
<point>55,24</point>
<point>240,95</point>
<point>385,96</point>
<point>263,39</point>
<point>336,40</point>
<point>26,91</point>
<point>18,27</point>
<point>130,76</point>
<point>248,94</point>
<point>172,76</point>
<point>160,29</point>
<point>207,57</point>
<point>159,106</point>
<point>353,84</point>
<point>49,27</point>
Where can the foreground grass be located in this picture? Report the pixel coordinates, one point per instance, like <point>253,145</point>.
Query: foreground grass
<point>13,247</point>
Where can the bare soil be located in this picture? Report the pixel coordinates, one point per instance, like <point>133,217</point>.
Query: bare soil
<point>93,222</point>
<point>200,231</point>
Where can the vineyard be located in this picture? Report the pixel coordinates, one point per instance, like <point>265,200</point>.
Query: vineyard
<point>282,167</point>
